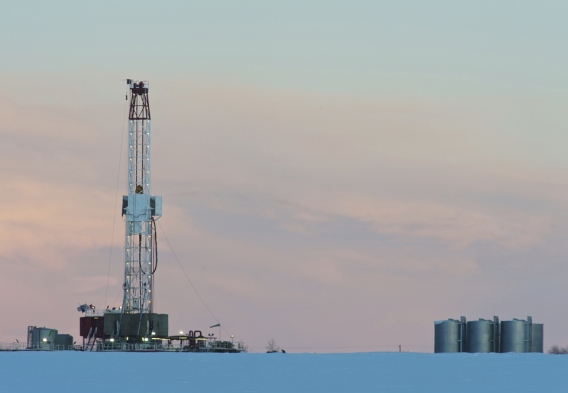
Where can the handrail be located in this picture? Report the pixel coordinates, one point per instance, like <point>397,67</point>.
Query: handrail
<point>17,346</point>
<point>95,313</point>
<point>123,347</point>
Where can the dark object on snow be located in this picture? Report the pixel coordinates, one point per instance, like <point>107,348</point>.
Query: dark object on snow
<point>556,350</point>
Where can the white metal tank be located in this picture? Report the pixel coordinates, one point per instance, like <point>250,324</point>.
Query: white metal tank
<point>479,336</point>
<point>64,341</point>
<point>515,336</point>
<point>43,338</point>
<point>537,337</point>
<point>449,336</point>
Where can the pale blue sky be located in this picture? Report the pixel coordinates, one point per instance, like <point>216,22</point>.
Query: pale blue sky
<point>416,48</point>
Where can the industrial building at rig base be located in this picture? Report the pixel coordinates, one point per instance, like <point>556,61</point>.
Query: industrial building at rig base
<point>484,336</point>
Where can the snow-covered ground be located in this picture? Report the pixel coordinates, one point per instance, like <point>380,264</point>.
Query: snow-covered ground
<point>353,372</point>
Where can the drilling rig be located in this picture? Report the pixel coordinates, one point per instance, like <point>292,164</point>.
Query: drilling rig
<point>135,321</point>
<point>135,325</point>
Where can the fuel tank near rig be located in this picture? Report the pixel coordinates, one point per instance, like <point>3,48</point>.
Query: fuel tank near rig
<point>41,337</point>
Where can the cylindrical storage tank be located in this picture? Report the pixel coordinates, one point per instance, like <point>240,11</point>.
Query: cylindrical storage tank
<point>479,336</point>
<point>446,336</point>
<point>64,341</point>
<point>537,330</point>
<point>35,338</point>
<point>46,337</point>
<point>514,336</point>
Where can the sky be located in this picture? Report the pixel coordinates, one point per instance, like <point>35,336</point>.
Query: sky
<point>335,175</point>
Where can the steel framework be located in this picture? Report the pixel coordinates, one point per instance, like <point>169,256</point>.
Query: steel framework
<point>139,208</point>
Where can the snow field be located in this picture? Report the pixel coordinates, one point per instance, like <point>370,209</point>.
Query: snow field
<point>251,372</point>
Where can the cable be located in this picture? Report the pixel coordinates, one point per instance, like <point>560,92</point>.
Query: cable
<point>155,248</point>
<point>188,279</point>
<point>115,197</point>
<point>120,292</point>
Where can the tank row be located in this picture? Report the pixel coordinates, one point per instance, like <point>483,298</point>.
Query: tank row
<point>484,335</point>
<point>47,338</point>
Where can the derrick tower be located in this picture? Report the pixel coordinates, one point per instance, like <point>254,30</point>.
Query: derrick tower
<point>139,208</point>
<point>136,321</point>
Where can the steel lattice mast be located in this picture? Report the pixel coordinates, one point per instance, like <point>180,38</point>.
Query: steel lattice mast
<point>139,208</point>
